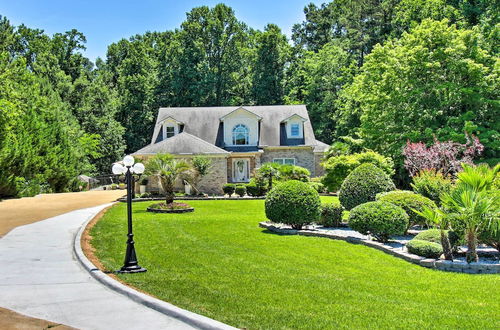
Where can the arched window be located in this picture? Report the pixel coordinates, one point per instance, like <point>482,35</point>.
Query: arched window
<point>240,134</point>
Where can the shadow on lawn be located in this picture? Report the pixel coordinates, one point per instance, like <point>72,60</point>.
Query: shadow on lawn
<point>267,231</point>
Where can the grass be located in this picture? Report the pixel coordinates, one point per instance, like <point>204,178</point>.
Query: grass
<point>219,263</point>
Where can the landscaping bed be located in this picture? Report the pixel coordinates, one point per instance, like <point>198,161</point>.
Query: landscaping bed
<point>173,207</point>
<point>489,262</point>
<point>218,263</point>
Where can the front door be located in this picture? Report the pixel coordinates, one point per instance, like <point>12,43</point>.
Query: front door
<point>241,170</point>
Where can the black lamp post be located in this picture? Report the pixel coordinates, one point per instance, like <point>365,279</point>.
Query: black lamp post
<point>128,168</point>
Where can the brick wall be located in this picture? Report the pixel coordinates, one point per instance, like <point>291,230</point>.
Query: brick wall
<point>303,157</point>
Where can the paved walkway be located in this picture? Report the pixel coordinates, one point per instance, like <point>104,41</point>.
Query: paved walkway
<point>40,277</point>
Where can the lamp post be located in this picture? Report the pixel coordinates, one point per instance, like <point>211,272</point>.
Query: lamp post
<point>128,168</point>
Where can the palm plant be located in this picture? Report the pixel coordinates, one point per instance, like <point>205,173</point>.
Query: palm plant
<point>475,210</point>
<point>438,218</point>
<point>269,171</point>
<point>167,170</point>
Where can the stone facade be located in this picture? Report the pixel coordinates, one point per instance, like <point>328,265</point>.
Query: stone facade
<point>304,157</point>
<point>318,169</point>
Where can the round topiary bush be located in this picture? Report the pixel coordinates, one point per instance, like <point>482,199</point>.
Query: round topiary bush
<point>424,248</point>
<point>331,214</point>
<point>379,219</point>
<point>434,235</point>
<point>294,203</point>
<point>240,190</point>
<point>363,184</point>
<point>409,201</point>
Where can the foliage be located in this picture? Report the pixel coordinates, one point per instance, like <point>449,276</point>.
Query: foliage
<point>167,170</point>
<point>363,184</point>
<point>293,203</point>
<point>293,172</point>
<point>408,201</point>
<point>331,214</point>
<point>425,248</point>
<point>318,186</point>
<point>240,190</point>
<point>201,167</point>
<point>229,188</point>
<point>434,235</point>
<point>472,204</point>
<point>436,81</point>
<point>268,171</point>
<point>445,157</point>
<point>431,184</point>
<point>491,236</point>
<point>379,219</point>
<point>257,186</point>
<point>337,168</point>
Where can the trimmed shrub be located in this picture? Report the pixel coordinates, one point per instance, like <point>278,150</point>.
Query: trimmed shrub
<point>424,248</point>
<point>431,184</point>
<point>409,201</point>
<point>240,190</point>
<point>294,203</point>
<point>434,235</point>
<point>379,219</point>
<point>318,186</point>
<point>363,184</point>
<point>331,215</point>
<point>337,168</point>
<point>256,187</point>
<point>228,188</point>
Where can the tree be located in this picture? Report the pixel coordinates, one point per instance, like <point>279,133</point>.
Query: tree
<point>167,170</point>
<point>201,166</point>
<point>272,55</point>
<point>436,81</point>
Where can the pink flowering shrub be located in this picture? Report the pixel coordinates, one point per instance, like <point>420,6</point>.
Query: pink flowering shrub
<point>445,157</point>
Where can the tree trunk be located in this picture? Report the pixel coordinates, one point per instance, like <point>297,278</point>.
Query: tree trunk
<point>445,242</point>
<point>471,255</point>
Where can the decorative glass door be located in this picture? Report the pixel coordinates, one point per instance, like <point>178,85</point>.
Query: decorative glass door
<point>241,170</point>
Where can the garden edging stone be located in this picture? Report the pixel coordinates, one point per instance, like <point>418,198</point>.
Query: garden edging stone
<point>445,265</point>
<point>161,306</point>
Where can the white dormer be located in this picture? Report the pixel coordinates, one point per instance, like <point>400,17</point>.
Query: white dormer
<point>169,127</point>
<point>241,128</point>
<point>295,126</point>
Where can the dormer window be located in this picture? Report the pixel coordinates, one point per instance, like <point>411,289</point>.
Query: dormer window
<point>169,131</point>
<point>295,130</point>
<point>240,135</point>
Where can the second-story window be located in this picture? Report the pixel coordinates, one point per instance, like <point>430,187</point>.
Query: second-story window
<point>295,130</point>
<point>170,131</point>
<point>240,135</point>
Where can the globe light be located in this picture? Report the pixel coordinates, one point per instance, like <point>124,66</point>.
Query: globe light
<point>138,168</point>
<point>118,169</point>
<point>128,160</point>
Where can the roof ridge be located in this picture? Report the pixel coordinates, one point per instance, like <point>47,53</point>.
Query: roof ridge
<point>200,139</point>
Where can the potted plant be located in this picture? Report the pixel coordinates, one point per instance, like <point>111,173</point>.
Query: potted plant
<point>142,187</point>
<point>122,186</point>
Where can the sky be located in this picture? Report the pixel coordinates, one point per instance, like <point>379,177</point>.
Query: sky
<point>104,22</point>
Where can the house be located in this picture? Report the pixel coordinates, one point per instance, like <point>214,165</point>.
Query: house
<point>238,139</point>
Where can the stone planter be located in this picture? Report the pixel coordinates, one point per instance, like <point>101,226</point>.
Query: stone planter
<point>142,189</point>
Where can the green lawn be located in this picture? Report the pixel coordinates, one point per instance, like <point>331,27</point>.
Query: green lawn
<point>219,263</point>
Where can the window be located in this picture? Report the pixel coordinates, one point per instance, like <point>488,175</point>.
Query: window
<point>295,130</point>
<point>284,161</point>
<point>170,131</point>
<point>240,135</point>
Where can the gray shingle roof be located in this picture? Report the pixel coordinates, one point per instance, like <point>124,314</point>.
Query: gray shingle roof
<point>320,146</point>
<point>182,144</point>
<point>203,122</point>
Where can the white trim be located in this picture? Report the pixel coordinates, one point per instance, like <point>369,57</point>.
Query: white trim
<point>233,173</point>
<point>239,108</point>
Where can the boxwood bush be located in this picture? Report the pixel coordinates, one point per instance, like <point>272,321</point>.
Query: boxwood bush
<point>431,184</point>
<point>379,219</point>
<point>409,201</point>
<point>294,203</point>
<point>434,235</point>
<point>363,184</point>
<point>424,248</point>
<point>318,186</point>
<point>331,214</point>
<point>240,190</point>
<point>229,188</point>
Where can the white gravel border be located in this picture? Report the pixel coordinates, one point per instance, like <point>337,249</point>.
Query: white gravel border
<point>161,306</point>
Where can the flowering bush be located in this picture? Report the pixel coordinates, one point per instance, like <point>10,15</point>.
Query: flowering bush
<point>445,157</point>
